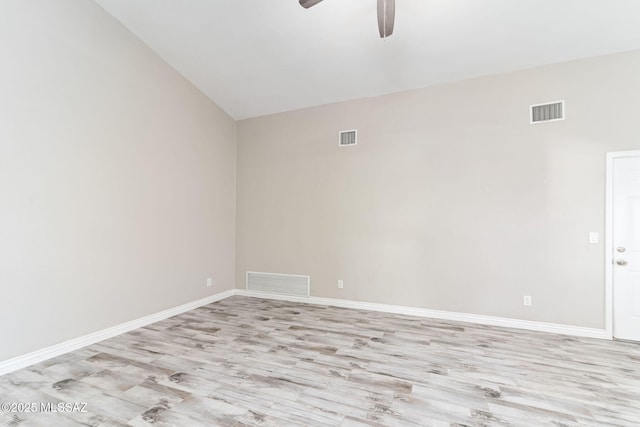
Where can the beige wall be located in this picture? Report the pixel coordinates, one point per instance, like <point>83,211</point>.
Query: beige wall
<point>118,193</point>
<point>117,178</point>
<point>451,200</point>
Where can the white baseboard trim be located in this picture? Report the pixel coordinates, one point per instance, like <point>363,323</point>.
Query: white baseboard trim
<point>38,356</point>
<point>555,328</point>
<point>76,343</point>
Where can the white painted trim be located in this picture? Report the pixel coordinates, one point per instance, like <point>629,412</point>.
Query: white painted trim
<point>38,356</point>
<point>76,343</point>
<point>438,314</point>
<point>608,258</point>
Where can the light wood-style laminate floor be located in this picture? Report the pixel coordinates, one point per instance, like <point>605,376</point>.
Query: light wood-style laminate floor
<point>253,362</point>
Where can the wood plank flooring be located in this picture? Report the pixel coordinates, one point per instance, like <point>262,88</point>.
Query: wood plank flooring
<point>253,362</point>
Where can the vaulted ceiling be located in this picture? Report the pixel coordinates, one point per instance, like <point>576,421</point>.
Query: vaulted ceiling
<point>258,57</point>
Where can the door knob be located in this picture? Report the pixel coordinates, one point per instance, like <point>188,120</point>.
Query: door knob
<point>620,249</point>
<point>621,262</point>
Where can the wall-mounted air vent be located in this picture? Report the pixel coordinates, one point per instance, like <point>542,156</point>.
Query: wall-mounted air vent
<point>348,137</point>
<point>283,284</point>
<point>548,112</point>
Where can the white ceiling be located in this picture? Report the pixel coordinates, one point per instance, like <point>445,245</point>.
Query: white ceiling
<point>257,57</point>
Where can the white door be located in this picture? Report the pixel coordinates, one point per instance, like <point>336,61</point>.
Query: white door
<point>626,248</point>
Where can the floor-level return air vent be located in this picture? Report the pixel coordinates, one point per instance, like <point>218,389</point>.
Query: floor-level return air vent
<point>284,284</point>
<point>347,138</point>
<point>548,112</point>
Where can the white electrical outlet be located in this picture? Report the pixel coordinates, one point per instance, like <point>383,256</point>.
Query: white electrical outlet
<point>594,237</point>
<point>209,281</point>
<point>340,284</point>
<point>526,301</point>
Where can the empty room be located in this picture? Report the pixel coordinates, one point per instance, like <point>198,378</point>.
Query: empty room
<point>319,213</point>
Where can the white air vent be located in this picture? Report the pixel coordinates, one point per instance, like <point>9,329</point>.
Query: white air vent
<point>283,284</point>
<point>549,112</point>
<point>348,137</point>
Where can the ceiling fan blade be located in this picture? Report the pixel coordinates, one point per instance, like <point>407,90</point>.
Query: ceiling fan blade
<point>386,16</point>
<point>308,3</point>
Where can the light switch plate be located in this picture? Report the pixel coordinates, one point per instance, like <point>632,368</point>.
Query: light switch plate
<point>594,237</point>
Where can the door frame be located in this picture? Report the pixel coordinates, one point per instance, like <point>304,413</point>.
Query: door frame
<point>608,248</point>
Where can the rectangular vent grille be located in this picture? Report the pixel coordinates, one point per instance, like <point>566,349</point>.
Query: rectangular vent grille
<point>283,284</point>
<point>549,112</point>
<point>348,137</point>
